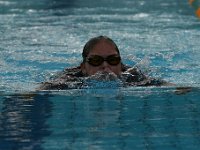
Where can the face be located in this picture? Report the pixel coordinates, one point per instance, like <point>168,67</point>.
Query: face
<point>103,49</point>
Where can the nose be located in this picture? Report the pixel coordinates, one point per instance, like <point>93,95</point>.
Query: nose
<point>106,67</point>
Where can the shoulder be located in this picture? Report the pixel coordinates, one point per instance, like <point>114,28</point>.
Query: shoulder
<point>63,80</point>
<point>72,71</point>
<point>138,78</point>
<point>135,74</point>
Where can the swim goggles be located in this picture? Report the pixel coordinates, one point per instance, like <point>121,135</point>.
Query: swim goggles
<point>96,60</point>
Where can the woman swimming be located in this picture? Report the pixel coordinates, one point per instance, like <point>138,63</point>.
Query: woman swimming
<point>101,61</point>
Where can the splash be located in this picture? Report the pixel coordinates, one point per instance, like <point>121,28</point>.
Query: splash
<point>102,80</point>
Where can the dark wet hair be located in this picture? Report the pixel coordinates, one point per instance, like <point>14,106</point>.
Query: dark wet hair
<point>93,41</point>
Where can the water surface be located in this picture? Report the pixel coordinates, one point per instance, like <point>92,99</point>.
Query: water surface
<point>40,38</point>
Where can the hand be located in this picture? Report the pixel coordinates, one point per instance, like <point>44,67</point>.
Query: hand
<point>182,90</point>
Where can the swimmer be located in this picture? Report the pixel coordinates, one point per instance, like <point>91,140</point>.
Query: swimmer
<point>100,56</point>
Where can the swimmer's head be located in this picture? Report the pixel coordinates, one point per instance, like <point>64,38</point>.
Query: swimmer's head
<point>101,54</point>
<point>93,41</point>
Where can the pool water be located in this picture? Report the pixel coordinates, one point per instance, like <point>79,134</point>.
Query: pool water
<point>40,38</point>
<point>133,118</point>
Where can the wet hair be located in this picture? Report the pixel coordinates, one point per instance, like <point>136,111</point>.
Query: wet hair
<point>93,41</point>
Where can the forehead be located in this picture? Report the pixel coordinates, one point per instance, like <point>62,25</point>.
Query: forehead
<point>103,48</point>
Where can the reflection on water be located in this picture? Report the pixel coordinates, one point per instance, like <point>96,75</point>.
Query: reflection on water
<point>144,119</point>
<point>23,121</point>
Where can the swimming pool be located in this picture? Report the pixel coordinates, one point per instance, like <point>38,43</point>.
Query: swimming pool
<point>41,37</point>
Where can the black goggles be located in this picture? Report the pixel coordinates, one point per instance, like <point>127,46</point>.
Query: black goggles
<point>96,60</point>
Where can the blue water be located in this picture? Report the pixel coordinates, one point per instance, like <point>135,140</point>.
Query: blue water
<point>137,118</point>
<point>40,38</point>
